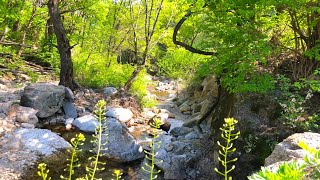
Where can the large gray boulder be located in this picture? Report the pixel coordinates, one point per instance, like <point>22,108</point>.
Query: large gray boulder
<point>41,141</point>
<point>119,145</point>
<point>177,168</point>
<point>177,158</point>
<point>288,149</point>
<point>87,123</point>
<point>44,97</point>
<point>122,114</point>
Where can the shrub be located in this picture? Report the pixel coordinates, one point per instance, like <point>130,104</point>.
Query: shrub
<point>294,111</point>
<point>292,171</point>
<point>96,71</point>
<point>179,63</point>
<point>139,88</point>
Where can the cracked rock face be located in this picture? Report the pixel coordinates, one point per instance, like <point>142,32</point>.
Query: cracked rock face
<point>44,97</point>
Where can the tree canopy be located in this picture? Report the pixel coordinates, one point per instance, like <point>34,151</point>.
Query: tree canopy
<point>242,42</point>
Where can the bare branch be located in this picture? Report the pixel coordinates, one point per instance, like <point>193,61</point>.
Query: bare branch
<point>184,45</point>
<point>11,43</point>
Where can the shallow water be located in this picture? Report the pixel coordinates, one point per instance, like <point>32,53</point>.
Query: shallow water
<point>130,170</point>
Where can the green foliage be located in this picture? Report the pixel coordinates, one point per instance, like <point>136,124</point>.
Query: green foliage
<point>139,89</point>
<point>242,49</point>
<point>292,171</point>
<point>34,76</point>
<point>308,169</point>
<point>75,142</point>
<point>294,111</point>
<point>95,71</point>
<point>311,123</point>
<point>100,111</point>
<point>179,63</point>
<point>43,171</point>
<point>290,102</point>
<point>153,145</point>
<point>311,84</point>
<point>228,136</point>
<point>312,160</point>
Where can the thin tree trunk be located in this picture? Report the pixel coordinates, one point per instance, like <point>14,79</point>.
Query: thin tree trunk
<point>5,31</point>
<point>66,69</point>
<point>24,34</point>
<point>149,31</point>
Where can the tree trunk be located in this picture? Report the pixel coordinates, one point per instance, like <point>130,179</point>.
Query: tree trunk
<point>224,109</point>
<point>149,30</point>
<point>66,69</point>
<point>28,26</point>
<point>133,77</point>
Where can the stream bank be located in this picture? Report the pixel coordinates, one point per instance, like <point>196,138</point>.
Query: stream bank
<point>180,148</point>
<point>184,151</point>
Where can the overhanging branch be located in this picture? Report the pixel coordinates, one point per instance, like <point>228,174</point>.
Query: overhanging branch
<point>184,45</point>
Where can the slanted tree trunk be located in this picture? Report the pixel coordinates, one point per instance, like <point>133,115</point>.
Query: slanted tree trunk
<point>66,69</point>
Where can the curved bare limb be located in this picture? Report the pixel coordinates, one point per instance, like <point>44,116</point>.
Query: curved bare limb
<point>184,45</point>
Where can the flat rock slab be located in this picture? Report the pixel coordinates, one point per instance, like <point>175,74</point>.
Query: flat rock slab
<point>44,97</point>
<point>42,141</point>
